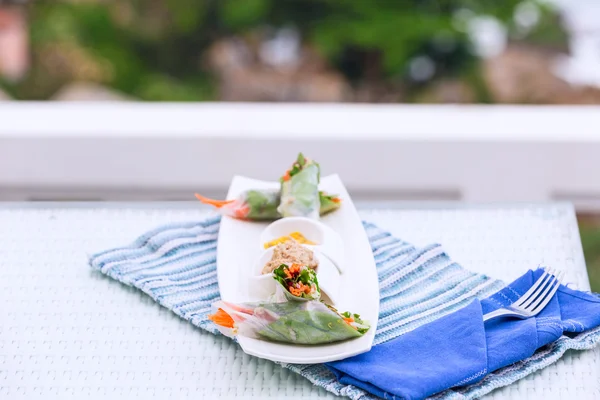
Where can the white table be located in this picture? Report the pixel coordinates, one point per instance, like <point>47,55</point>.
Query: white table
<point>68,332</point>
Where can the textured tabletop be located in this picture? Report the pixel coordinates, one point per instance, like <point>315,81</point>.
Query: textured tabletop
<point>68,332</point>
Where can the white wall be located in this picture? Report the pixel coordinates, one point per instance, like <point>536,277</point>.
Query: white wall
<point>129,151</point>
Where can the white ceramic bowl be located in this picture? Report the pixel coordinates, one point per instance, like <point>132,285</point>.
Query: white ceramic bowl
<point>328,242</point>
<point>261,286</point>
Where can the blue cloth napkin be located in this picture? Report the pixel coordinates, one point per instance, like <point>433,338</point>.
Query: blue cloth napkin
<point>460,349</point>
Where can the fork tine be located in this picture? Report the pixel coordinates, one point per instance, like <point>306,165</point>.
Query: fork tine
<point>540,306</point>
<point>526,305</point>
<point>531,290</point>
<point>530,305</point>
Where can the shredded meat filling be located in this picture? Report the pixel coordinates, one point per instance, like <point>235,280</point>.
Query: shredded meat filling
<point>290,252</point>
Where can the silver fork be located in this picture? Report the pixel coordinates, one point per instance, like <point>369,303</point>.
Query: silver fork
<point>532,302</point>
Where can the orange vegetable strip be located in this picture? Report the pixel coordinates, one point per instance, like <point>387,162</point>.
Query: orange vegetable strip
<point>212,202</point>
<point>222,318</point>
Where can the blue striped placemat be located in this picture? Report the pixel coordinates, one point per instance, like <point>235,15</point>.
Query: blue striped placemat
<point>176,265</point>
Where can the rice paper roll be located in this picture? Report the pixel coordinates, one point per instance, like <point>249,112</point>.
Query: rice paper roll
<point>261,205</point>
<point>296,283</point>
<point>328,203</point>
<point>254,205</point>
<point>300,190</point>
<point>308,323</point>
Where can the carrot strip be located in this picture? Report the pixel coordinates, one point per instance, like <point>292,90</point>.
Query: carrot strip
<point>216,203</point>
<point>222,318</point>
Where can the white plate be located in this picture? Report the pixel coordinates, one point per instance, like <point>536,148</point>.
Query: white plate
<point>237,251</point>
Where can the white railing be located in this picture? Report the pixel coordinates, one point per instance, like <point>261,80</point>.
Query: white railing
<point>129,151</point>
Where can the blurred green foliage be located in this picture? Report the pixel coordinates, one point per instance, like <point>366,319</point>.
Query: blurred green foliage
<point>590,239</point>
<point>154,49</point>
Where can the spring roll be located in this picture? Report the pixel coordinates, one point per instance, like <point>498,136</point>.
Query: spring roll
<point>261,205</point>
<point>255,205</point>
<point>297,282</point>
<point>297,322</point>
<point>328,203</point>
<point>300,189</point>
